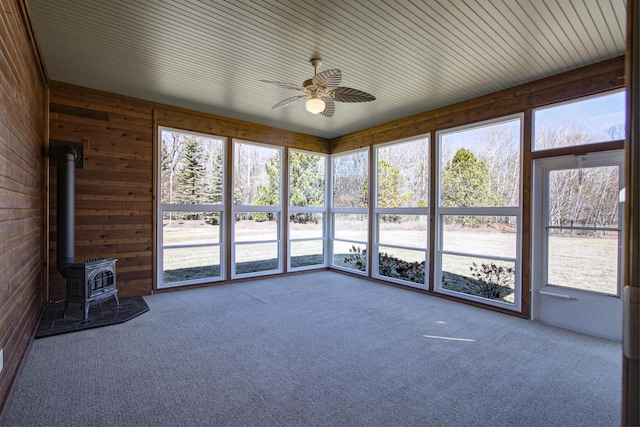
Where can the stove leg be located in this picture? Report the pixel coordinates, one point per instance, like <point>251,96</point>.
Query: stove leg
<point>115,295</point>
<point>86,310</point>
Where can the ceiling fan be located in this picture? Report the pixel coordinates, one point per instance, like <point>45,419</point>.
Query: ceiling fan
<point>321,91</point>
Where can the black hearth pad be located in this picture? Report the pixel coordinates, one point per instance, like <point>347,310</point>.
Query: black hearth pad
<point>104,314</point>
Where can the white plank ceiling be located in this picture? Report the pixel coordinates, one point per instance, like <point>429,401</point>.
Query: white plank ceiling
<point>412,55</point>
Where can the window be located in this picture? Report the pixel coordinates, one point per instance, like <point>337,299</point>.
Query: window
<point>478,212</point>
<point>584,121</point>
<point>307,212</point>
<point>191,209</point>
<point>257,209</point>
<point>401,211</point>
<point>349,211</point>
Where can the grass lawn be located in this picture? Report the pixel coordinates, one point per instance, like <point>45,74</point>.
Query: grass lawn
<point>575,261</point>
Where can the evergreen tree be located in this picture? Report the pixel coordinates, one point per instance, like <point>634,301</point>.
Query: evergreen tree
<point>214,185</point>
<point>390,184</point>
<point>465,182</point>
<point>269,195</point>
<point>191,175</point>
<point>217,178</point>
<point>307,184</point>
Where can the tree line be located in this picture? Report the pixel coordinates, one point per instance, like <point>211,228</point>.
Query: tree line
<point>483,172</point>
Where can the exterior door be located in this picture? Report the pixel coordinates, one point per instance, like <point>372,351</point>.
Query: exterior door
<point>577,235</point>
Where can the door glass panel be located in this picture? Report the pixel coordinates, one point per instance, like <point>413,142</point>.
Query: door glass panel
<point>582,228</point>
<point>585,197</point>
<point>585,260</point>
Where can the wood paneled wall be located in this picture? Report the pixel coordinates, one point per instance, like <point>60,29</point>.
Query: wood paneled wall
<point>22,124</point>
<point>114,190</point>
<point>114,199</point>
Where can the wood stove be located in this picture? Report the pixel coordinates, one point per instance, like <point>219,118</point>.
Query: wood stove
<point>91,282</point>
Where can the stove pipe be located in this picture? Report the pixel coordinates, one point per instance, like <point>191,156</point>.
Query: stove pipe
<point>65,218</point>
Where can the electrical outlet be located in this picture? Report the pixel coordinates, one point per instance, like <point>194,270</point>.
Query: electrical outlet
<point>1,359</point>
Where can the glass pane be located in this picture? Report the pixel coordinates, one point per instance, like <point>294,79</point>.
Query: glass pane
<point>481,166</point>
<point>191,168</point>
<point>190,263</point>
<point>305,225</point>
<point>306,253</point>
<point>350,255</point>
<point>584,260</point>
<point>351,180</point>
<point>256,175</point>
<point>484,278</point>
<point>190,228</point>
<point>403,174</point>
<point>252,258</point>
<point>402,264</point>
<point>584,197</point>
<point>256,226</point>
<point>596,119</point>
<point>488,235</point>
<point>351,227</point>
<point>404,230</point>
<point>306,179</point>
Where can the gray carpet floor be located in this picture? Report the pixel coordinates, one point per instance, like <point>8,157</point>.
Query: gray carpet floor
<point>318,349</point>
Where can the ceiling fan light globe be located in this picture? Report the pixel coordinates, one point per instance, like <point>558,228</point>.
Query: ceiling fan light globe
<point>315,105</point>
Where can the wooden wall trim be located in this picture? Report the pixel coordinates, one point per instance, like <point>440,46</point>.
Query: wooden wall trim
<point>237,129</point>
<point>196,121</point>
<point>631,309</point>
<point>589,80</point>
<point>526,230</point>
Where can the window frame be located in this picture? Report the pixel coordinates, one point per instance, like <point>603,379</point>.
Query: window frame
<point>236,209</point>
<point>543,151</point>
<point>323,210</point>
<point>183,207</point>
<point>516,211</point>
<point>378,211</point>
<point>356,211</point>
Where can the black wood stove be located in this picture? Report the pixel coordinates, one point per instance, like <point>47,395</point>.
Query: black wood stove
<point>91,282</point>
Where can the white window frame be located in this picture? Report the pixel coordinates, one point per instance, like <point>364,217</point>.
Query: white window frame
<point>515,211</point>
<point>235,209</point>
<point>357,211</point>
<point>559,104</point>
<point>377,212</point>
<point>309,209</point>
<point>181,207</point>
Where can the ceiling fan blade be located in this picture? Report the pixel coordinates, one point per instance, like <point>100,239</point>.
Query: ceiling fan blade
<point>284,85</point>
<point>289,101</point>
<point>329,107</point>
<point>329,78</point>
<point>347,94</point>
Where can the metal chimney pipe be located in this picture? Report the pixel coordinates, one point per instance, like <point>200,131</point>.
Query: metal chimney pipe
<point>65,218</point>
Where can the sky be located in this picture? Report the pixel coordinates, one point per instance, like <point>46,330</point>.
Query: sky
<point>594,114</point>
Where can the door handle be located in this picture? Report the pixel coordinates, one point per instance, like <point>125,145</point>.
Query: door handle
<point>556,295</point>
